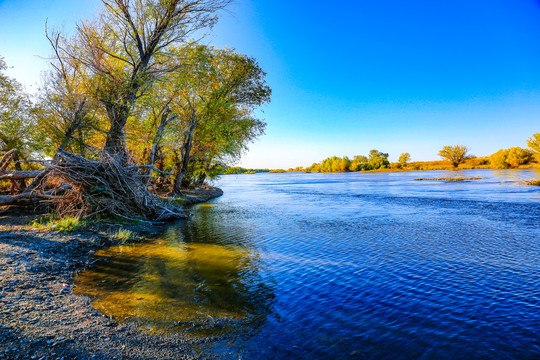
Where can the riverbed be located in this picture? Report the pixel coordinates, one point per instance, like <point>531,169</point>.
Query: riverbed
<point>340,266</point>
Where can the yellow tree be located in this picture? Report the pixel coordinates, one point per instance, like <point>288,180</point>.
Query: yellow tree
<point>404,158</point>
<point>534,144</point>
<point>455,154</point>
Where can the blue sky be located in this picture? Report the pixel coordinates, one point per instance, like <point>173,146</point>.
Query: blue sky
<point>397,76</point>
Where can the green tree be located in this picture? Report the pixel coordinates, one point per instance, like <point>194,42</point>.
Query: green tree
<point>18,126</point>
<point>455,154</point>
<point>345,164</point>
<point>512,157</point>
<point>377,159</point>
<point>360,162</point>
<point>210,101</point>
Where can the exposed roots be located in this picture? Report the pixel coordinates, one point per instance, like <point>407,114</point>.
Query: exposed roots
<point>104,187</point>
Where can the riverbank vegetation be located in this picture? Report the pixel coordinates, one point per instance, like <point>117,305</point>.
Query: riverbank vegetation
<point>241,170</point>
<point>454,158</point>
<point>131,109</point>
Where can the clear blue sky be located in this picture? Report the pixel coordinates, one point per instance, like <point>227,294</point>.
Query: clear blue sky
<point>350,76</point>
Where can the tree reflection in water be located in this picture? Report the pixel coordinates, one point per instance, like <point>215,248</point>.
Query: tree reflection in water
<point>197,276</point>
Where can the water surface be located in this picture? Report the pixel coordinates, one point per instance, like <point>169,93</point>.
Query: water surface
<point>342,266</point>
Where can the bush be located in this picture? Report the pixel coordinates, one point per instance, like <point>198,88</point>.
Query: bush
<point>512,157</point>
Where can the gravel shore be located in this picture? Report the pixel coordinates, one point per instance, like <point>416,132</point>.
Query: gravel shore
<point>41,318</point>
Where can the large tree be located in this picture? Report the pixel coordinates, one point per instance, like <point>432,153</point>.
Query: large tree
<point>205,109</point>
<point>117,53</point>
<point>221,117</point>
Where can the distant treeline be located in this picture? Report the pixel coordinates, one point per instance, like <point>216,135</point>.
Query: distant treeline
<point>241,170</point>
<point>454,157</point>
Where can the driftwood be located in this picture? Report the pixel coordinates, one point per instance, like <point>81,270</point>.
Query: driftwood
<point>34,198</point>
<point>19,175</point>
<point>77,186</point>
<point>107,187</point>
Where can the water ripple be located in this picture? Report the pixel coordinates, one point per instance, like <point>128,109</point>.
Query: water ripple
<point>346,266</point>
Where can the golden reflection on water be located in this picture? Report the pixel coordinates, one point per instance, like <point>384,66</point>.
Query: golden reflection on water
<point>172,285</point>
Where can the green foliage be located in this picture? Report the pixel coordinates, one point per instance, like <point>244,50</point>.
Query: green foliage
<point>360,163</point>
<point>335,164</point>
<point>378,160</point>
<point>18,126</point>
<point>211,99</point>
<point>498,159</point>
<point>177,201</point>
<point>65,224</point>
<point>518,156</point>
<point>455,154</point>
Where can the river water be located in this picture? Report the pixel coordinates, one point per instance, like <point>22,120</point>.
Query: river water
<point>341,266</point>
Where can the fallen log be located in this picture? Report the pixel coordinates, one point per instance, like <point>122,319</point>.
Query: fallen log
<point>34,198</point>
<point>20,199</point>
<point>19,175</point>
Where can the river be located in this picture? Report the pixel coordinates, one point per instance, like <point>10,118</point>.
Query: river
<point>341,266</point>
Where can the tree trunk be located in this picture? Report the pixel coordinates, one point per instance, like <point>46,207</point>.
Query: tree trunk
<point>19,175</point>
<point>18,183</point>
<point>115,144</point>
<point>185,150</point>
<point>165,119</point>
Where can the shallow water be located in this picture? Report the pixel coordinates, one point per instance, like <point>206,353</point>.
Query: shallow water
<point>341,266</point>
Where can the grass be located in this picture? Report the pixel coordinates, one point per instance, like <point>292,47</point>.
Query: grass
<point>456,178</point>
<point>124,235</point>
<point>66,224</point>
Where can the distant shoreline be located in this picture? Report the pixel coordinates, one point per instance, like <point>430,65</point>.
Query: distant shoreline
<point>280,171</point>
